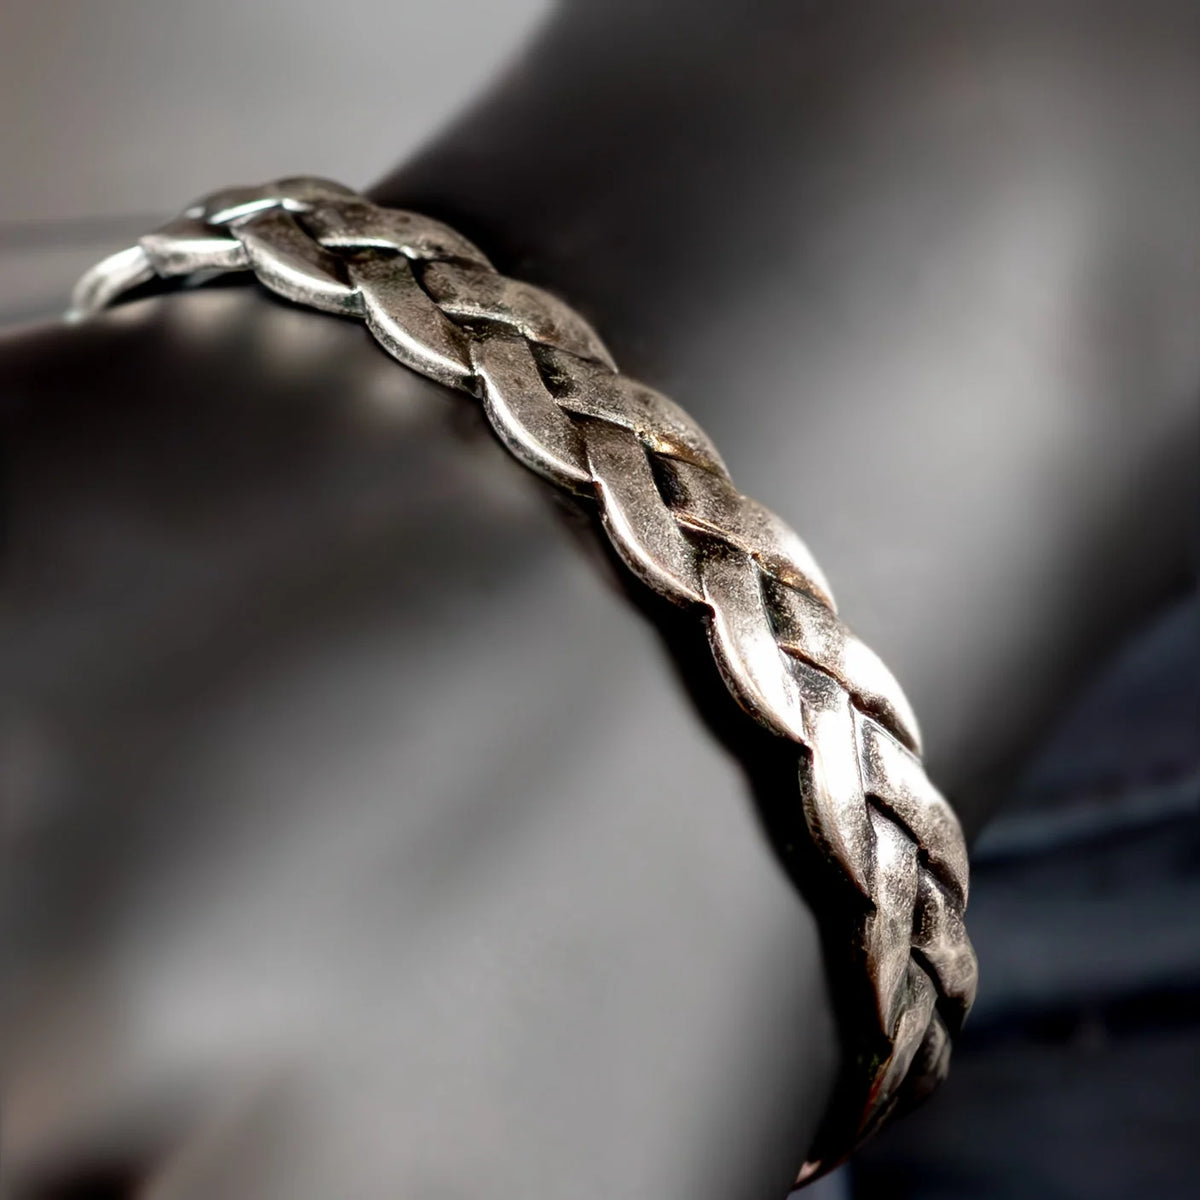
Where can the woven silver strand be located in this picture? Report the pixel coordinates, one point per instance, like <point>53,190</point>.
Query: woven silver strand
<point>556,400</point>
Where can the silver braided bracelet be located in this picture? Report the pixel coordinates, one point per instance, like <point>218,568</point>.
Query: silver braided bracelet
<point>557,401</point>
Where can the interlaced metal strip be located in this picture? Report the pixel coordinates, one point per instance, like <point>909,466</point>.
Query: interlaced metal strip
<point>556,399</point>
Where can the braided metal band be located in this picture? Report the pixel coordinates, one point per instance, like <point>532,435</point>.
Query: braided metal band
<point>556,400</point>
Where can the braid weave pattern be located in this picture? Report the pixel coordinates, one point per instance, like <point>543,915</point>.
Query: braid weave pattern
<point>557,401</point>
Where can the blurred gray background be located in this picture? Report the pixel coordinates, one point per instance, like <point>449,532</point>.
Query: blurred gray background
<point>75,125</point>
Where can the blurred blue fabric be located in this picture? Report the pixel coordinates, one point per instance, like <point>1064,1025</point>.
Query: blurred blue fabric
<point>1079,1072</point>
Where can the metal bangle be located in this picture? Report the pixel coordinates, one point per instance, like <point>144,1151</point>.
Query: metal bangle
<point>556,399</point>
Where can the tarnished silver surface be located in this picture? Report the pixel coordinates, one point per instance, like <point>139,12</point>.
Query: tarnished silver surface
<point>555,399</point>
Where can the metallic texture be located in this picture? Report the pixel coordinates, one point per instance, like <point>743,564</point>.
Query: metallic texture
<point>556,400</point>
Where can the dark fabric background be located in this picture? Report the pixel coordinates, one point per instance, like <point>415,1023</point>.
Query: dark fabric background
<point>1079,1072</point>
